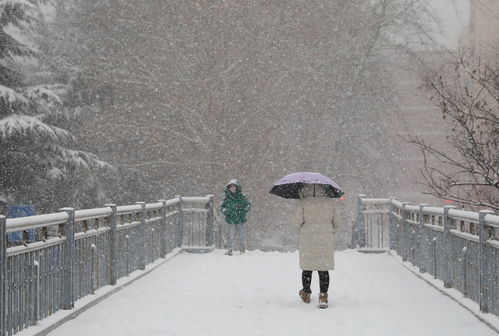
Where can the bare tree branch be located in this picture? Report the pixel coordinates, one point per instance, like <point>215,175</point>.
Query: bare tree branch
<point>467,102</point>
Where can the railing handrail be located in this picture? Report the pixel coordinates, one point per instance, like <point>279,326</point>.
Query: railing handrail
<point>91,248</point>
<point>87,214</point>
<point>37,221</point>
<point>34,222</point>
<point>490,219</point>
<point>445,241</point>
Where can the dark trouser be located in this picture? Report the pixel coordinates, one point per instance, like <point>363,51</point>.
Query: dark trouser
<point>306,279</point>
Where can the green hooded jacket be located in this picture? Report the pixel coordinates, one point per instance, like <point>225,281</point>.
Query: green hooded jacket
<point>235,206</point>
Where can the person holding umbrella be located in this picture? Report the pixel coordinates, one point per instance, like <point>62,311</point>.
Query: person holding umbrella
<point>317,220</point>
<point>235,206</point>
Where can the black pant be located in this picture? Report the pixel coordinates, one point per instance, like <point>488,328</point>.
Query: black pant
<point>306,279</point>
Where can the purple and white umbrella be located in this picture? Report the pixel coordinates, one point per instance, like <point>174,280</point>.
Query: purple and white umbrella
<point>290,185</point>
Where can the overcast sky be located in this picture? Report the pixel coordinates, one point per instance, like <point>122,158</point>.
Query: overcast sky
<point>455,17</point>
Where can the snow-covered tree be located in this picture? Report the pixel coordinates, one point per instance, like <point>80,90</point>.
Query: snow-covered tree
<point>36,149</point>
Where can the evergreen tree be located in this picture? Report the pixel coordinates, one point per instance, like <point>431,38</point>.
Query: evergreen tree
<point>35,146</point>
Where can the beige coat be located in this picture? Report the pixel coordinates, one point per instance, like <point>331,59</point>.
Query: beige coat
<point>317,220</point>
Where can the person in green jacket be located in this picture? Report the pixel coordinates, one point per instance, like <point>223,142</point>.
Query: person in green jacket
<point>235,206</point>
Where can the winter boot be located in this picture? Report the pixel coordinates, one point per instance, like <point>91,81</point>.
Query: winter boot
<point>229,252</point>
<point>322,301</point>
<point>304,296</point>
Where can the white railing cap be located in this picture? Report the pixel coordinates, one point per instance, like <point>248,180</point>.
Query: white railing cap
<point>154,206</point>
<point>464,215</point>
<point>396,203</point>
<point>126,209</point>
<point>87,214</point>
<point>375,201</point>
<point>33,222</point>
<point>433,211</point>
<point>411,207</point>
<point>492,219</point>
<point>173,201</point>
<point>202,199</point>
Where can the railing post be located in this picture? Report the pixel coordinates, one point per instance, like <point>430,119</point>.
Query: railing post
<point>464,269</point>
<point>162,230</point>
<point>434,260</point>
<point>447,223</point>
<point>359,234</point>
<point>393,232</point>
<point>423,243</point>
<point>36,291</point>
<point>404,227</point>
<point>127,255</point>
<point>209,222</point>
<point>69,261</point>
<point>112,244</point>
<point>3,275</point>
<point>413,246</point>
<point>93,282</point>
<point>482,254</point>
<point>151,245</point>
<point>180,223</point>
<point>142,235</point>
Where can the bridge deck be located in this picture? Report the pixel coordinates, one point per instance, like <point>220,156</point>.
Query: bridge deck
<point>256,294</point>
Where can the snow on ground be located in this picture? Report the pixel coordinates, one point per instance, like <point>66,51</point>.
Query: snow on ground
<point>256,294</point>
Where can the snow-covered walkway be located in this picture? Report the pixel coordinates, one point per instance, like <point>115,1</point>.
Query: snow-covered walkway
<point>256,294</point>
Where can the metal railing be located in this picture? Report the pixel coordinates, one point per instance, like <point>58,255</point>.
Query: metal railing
<point>81,251</point>
<point>461,248</point>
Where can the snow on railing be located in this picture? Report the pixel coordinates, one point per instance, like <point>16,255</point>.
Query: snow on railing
<point>456,246</point>
<point>35,222</point>
<point>79,251</point>
<point>92,213</point>
<point>127,209</point>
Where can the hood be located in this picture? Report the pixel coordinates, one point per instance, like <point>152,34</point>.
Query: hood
<point>236,182</point>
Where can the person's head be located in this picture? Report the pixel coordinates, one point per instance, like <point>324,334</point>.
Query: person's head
<point>233,186</point>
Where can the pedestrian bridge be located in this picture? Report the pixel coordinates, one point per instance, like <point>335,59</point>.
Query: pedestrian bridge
<point>257,294</point>
<point>143,250</point>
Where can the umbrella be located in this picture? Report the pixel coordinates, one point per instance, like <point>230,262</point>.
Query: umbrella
<point>290,185</point>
